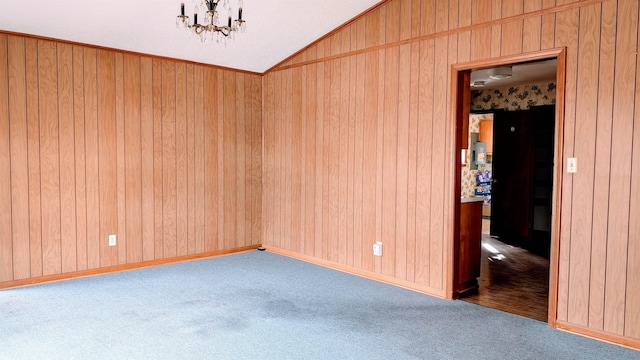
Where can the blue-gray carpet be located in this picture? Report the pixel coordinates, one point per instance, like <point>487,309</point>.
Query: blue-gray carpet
<point>259,305</point>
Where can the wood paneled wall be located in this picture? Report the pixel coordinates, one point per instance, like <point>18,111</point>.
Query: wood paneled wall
<point>164,154</point>
<point>359,146</point>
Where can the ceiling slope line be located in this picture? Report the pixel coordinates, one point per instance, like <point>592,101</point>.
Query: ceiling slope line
<point>436,35</point>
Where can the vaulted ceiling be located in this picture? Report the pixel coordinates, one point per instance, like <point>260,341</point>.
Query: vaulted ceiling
<point>275,29</point>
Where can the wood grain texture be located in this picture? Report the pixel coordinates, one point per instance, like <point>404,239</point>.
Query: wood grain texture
<point>620,181</point>
<point>133,159</point>
<point>597,261</point>
<point>17,106</point>
<point>100,142</point>
<point>584,148</point>
<point>602,161</point>
<point>6,243</point>
<point>91,150</point>
<point>66,129</point>
<point>403,176</point>
<point>80,158</point>
<point>33,157</point>
<point>49,157</point>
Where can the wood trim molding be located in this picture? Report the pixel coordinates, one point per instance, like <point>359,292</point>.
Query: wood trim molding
<point>125,52</point>
<point>118,268</point>
<point>362,273</point>
<point>339,28</point>
<point>519,17</point>
<point>599,335</point>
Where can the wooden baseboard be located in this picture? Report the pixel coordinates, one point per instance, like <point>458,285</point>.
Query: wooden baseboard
<point>362,273</point>
<point>599,335</point>
<point>118,268</point>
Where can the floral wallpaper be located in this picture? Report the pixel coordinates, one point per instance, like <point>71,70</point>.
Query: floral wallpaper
<point>511,98</point>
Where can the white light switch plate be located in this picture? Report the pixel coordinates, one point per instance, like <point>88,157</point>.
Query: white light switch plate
<point>112,240</point>
<point>572,165</point>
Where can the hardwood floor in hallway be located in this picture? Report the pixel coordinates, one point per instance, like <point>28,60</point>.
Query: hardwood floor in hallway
<point>512,279</point>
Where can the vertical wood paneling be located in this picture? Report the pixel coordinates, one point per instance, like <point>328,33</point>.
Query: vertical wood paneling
<point>370,130</point>
<point>586,111</point>
<point>412,181</point>
<point>353,247</point>
<point>567,35</point>
<point>107,155</point>
<point>424,161</point>
<point>268,165</point>
<point>319,225</point>
<point>361,247</point>
<point>257,158</point>
<point>297,159</point>
<point>17,106</point>
<point>389,161</point>
<point>6,246</point>
<point>345,250</point>
<point>243,182</point>
<point>33,158</point>
<point>80,157</point>
<point>210,127</point>
<point>99,142</point>
<point>182,193</point>
<point>169,168</point>
<point>548,26</point>
<point>480,38</point>
<point>531,27</point>
<point>121,231</point>
<point>401,177</point>
<point>220,161</point>
<point>602,161</point>
<point>191,160</point>
<point>356,146</point>
<point>68,241</point>
<point>133,159</point>
<point>49,157</point>
<point>512,32</point>
<point>632,305</point>
<point>199,125</point>
<point>404,89</point>
<point>620,181</point>
<point>230,161</point>
<point>91,148</point>
<point>147,158</point>
<point>157,157</point>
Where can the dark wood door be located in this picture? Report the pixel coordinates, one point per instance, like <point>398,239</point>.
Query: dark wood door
<point>523,177</point>
<point>511,210</point>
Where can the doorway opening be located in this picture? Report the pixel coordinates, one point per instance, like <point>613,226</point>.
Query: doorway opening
<point>510,145</point>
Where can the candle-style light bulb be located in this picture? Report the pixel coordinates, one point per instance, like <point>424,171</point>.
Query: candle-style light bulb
<point>182,9</point>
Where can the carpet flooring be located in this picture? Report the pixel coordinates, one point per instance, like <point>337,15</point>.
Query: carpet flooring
<point>259,305</point>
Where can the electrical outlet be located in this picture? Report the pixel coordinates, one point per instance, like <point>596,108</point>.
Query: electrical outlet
<point>377,249</point>
<point>112,240</point>
<point>572,165</point>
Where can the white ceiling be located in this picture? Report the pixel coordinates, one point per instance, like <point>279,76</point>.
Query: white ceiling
<point>275,29</point>
<point>525,73</point>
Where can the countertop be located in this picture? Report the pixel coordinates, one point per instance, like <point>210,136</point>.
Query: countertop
<point>472,199</point>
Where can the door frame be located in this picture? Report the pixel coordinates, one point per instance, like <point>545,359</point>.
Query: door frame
<point>460,88</point>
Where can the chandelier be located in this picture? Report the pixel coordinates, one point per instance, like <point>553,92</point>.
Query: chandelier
<point>210,28</point>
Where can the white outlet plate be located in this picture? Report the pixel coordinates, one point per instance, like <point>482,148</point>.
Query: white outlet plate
<point>572,165</point>
<point>112,240</point>
<point>377,249</point>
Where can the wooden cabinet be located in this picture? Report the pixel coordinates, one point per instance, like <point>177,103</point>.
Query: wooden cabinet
<point>486,134</point>
<point>469,256</point>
